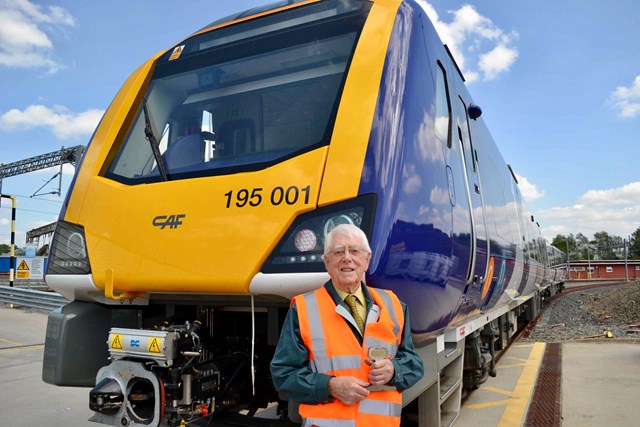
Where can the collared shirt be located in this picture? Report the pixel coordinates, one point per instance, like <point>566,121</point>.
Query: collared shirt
<point>290,364</point>
<point>360,300</point>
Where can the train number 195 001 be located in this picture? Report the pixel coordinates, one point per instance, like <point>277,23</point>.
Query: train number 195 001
<point>277,196</point>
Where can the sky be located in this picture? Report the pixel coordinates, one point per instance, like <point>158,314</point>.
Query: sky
<point>558,83</point>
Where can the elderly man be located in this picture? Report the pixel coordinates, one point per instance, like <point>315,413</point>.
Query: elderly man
<point>345,350</point>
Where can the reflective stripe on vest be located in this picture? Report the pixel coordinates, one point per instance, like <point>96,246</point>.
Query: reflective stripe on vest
<point>379,407</point>
<point>388,304</point>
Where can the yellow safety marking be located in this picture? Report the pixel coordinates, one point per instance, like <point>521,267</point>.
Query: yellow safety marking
<point>10,342</point>
<point>515,411</point>
<point>519,359</point>
<point>513,365</point>
<point>487,404</point>
<point>116,342</point>
<point>523,345</point>
<point>154,346</point>
<point>497,390</point>
<point>22,348</point>
<point>23,266</point>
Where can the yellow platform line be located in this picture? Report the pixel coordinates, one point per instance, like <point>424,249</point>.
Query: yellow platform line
<point>498,390</point>
<point>524,345</point>
<point>514,412</point>
<point>488,404</point>
<point>10,342</point>
<point>21,348</point>
<point>513,365</point>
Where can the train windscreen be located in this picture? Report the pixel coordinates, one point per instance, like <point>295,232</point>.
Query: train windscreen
<point>242,97</point>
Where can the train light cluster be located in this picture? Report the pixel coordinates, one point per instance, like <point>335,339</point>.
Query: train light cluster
<point>301,248</point>
<point>68,254</point>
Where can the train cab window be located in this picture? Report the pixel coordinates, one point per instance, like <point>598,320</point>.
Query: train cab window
<point>443,107</point>
<point>243,97</point>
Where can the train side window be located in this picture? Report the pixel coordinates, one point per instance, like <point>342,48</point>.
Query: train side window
<point>443,107</point>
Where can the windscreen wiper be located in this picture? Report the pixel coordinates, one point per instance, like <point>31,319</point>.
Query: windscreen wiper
<point>153,141</point>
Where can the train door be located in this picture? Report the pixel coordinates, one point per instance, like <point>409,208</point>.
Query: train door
<point>480,244</point>
<point>462,233</point>
<point>522,255</point>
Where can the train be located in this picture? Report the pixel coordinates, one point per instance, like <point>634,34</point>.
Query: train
<point>200,206</point>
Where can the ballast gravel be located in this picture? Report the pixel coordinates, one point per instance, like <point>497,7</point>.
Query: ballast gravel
<point>608,312</point>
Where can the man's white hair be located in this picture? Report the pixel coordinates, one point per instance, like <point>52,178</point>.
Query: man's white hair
<point>349,230</point>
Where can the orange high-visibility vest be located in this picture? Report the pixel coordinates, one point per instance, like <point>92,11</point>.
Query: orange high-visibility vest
<point>334,350</point>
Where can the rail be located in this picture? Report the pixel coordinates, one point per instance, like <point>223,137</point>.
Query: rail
<point>48,301</point>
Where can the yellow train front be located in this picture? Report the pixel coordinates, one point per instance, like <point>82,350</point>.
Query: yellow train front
<point>202,201</point>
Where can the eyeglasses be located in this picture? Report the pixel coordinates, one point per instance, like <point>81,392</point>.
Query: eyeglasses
<point>340,252</point>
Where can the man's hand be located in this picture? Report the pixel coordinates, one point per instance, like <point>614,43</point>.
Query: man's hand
<point>381,371</point>
<point>349,390</point>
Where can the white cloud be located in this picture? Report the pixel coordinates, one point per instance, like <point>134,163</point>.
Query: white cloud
<point>497,61</point>
<point>65,124</point>
<point>627,99</point>
<point>615,210</point>
<point>529,191</point>
<point>412,181</point>
<point>67,170</point>
<point>475,39</point>
<point>439,196</point>
<point>24,42</point>
<point>622,196</point>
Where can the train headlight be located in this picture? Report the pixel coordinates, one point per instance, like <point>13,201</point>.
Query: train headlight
<point>301,248</point>
<point>305,240</point>
<point>68,254</point>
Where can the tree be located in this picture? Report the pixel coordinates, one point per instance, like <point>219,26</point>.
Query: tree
<point>609,246</point>
<point>4,248</point>
<point>566,244</point>
<point>634,245</point>
<point>584,247</point>
<point>603,246</point>
<point>560,242</point>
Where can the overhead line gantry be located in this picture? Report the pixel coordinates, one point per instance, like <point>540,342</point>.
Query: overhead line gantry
<point>64,155</point>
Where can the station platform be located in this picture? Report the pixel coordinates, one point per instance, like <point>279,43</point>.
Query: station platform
<point>584,383</point>
<point>570,384</point>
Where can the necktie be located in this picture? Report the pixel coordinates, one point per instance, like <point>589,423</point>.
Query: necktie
<point>351,302</point>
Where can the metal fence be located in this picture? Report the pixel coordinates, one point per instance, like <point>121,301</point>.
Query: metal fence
<point>31,298</point>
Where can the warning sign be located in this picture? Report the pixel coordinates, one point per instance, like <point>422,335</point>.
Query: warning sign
<point>30,268</point>
<point>176,54</point>
<point>154,345</point>
<point>116,342</point>
<point>23,270</point>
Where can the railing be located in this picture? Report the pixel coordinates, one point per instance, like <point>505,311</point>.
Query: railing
<point>31,298</point>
